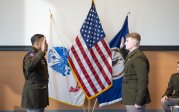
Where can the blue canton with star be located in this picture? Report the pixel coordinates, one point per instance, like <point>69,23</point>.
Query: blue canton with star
<point>91,29</point>
<point>58,60</point>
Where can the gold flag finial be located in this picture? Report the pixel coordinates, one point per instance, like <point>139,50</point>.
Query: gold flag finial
<point>93,3</point>
<point>128,12</point>
<point>50,13</point>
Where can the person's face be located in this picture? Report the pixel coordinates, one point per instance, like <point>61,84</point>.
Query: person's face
<point>177,68</point>
<point>40,42</point>
<point>46,44</point>
<point>130,43</point>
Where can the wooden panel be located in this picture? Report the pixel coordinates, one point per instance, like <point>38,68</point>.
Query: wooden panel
<point>162,65</point>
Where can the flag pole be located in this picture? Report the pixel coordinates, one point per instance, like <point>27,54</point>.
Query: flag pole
<point>50,12</point>
<point>88,105</point>
<point>128,13</point>
<point>84,108</point>
<point>50,31</point>
<point>94,105</point>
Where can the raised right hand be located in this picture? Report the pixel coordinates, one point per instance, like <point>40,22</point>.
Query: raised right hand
<point>164,98</point>
<point>43,45</point>
<point>122,43</point>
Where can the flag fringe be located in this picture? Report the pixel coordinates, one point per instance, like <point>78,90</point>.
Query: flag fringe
<point>67,103</point>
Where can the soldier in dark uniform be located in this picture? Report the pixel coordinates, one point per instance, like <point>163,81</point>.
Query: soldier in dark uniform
<point>35,90</point>
<point>135,93</point>
<point>171,95</point>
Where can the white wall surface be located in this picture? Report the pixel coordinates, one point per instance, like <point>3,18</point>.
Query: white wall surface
<point>156,20</point>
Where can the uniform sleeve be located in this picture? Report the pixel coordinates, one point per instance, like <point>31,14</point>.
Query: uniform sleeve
<point>169,89</point>
<point>32,60</point>
<point>142,69</point>
<point>124,52</point>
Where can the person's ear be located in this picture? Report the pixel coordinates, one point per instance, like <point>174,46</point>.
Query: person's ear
<point>134,43</point>
<point>36,43</point>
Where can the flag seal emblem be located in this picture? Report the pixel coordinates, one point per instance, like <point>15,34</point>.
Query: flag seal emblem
<point>57,60</point>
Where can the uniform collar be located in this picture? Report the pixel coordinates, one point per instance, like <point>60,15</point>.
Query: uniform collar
<point>132,52</point>
<point>34,49</point>
<point>177,73</point>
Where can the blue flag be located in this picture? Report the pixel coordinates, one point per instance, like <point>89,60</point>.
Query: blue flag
<point>114,94</point>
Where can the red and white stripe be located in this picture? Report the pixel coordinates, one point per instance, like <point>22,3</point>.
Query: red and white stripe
<point>92,67</point>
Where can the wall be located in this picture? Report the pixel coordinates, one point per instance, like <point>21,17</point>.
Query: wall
<point>162,65</point>
<point>154,19</point>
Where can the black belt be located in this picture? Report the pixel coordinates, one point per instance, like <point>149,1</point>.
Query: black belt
<point>129,80</point>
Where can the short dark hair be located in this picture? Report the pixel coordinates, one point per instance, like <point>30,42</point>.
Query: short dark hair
<point>36,37</point>
<point>178,62</point>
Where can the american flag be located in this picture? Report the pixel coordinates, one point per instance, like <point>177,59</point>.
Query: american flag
<point>90,57</point>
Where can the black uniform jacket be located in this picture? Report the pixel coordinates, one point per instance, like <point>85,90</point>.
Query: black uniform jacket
<point>172,90</point>
<point>35,90</point>
<point>135,80</point>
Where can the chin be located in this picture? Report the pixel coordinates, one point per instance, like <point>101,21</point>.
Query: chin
<point>127,48</point>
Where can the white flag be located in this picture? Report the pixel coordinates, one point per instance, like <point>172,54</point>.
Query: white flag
<point>62,84</point>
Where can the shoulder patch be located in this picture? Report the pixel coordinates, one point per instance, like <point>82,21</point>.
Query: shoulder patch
<point>31,53</point>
